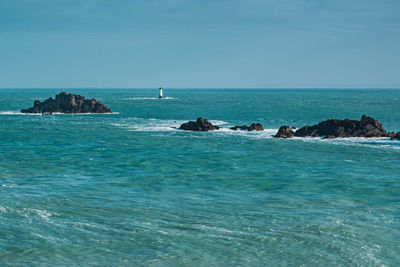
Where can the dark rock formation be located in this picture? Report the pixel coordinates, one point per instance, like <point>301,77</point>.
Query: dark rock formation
<point>284,132</point>
<point>252,127</point>
<point>67,103</point>
<point>255,127</point>
<point>366,127</point>
<point>394,135</point>
<point>200,125</point>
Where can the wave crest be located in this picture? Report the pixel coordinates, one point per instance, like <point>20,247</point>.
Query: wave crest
<point>149,98</point>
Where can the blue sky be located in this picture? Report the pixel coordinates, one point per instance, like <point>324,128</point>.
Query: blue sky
<point>199,44</point>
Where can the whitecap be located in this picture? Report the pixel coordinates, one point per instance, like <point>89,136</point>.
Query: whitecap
<point>18,113</point>
<point>60,113</point>
<point>156,125</point>
<point>150,125</point>
<point>50,239</point>
<point>54,113</point>
<point>218,229</point>
<point>159,125</point>
<point>266,134</point>
<point>219,122</point>
<point>149,98</point>
<point>380,142</point>
<point>42,213</point>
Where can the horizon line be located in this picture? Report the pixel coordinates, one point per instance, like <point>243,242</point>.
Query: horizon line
<point>199,88</point>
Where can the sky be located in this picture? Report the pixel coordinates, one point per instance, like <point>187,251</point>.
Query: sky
<point>199,44</point>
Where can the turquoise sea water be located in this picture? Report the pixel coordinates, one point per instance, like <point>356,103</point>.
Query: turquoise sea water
<point>125,189</point>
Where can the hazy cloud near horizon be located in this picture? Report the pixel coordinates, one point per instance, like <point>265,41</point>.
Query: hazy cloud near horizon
<point>181,43</point>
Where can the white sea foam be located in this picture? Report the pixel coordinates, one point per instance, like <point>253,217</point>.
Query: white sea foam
<point>266,134</point>
<point>217,122</point>
<point>42,213</point>
<point>381,142</point>
<point>149,125</point>
<point>159,125</point>
<point>149,98</point>
<point>59,113</point>
<point>18,113</point>
<point>156,125</point>
<point>28,212</point>
<point>49,238</point>
<point>218,229</point>
<point>55,113</point>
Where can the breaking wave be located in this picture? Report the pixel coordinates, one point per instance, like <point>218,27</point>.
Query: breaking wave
<point>55,113</point>
<point>163,125</point>
<point>149,98</point>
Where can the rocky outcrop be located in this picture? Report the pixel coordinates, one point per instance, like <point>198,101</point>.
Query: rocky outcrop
<point>252,127</point>
<point>284,132</point>
<point>255,127</point>
<point>366,127</point>
<point>67,103</point>
<point>200,125</point>
<point>394,135</point>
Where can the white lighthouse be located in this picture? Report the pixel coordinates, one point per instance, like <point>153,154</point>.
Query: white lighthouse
<point>160,96</point>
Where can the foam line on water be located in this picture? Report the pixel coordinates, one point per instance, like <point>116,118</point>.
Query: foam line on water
<point>60,113</point>
<point>381,142</point>
<point>219,122</point>
<point>55,113</point>
<point>155,125</point>
<point>19,113</point>
<point>149,98</point>
<point>160,125</point>
<point>148,125</point>
<point>266,134</point>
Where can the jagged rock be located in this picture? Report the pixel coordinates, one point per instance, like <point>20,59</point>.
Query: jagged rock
<point>284,132</point>
<point>67,103</point>
<point>252,127</point>
<point>366,127</point>
<point>200,125</point>
<point>394,135</point>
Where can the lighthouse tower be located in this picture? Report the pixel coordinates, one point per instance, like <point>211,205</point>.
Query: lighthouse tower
<point>160,96</point>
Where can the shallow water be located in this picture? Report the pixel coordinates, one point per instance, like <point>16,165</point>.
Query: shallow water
<point>126,189</point>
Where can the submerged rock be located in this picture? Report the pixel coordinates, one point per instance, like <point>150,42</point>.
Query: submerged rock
<point>366,127</point>
<point>200,125</point>
<point>284,132</point>
<point>67,103</point>
<point>252,127</point>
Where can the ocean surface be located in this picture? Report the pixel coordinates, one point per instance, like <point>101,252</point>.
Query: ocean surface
<point>126,189</point>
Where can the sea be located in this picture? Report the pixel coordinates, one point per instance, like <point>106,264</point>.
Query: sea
<point>130,189</point>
